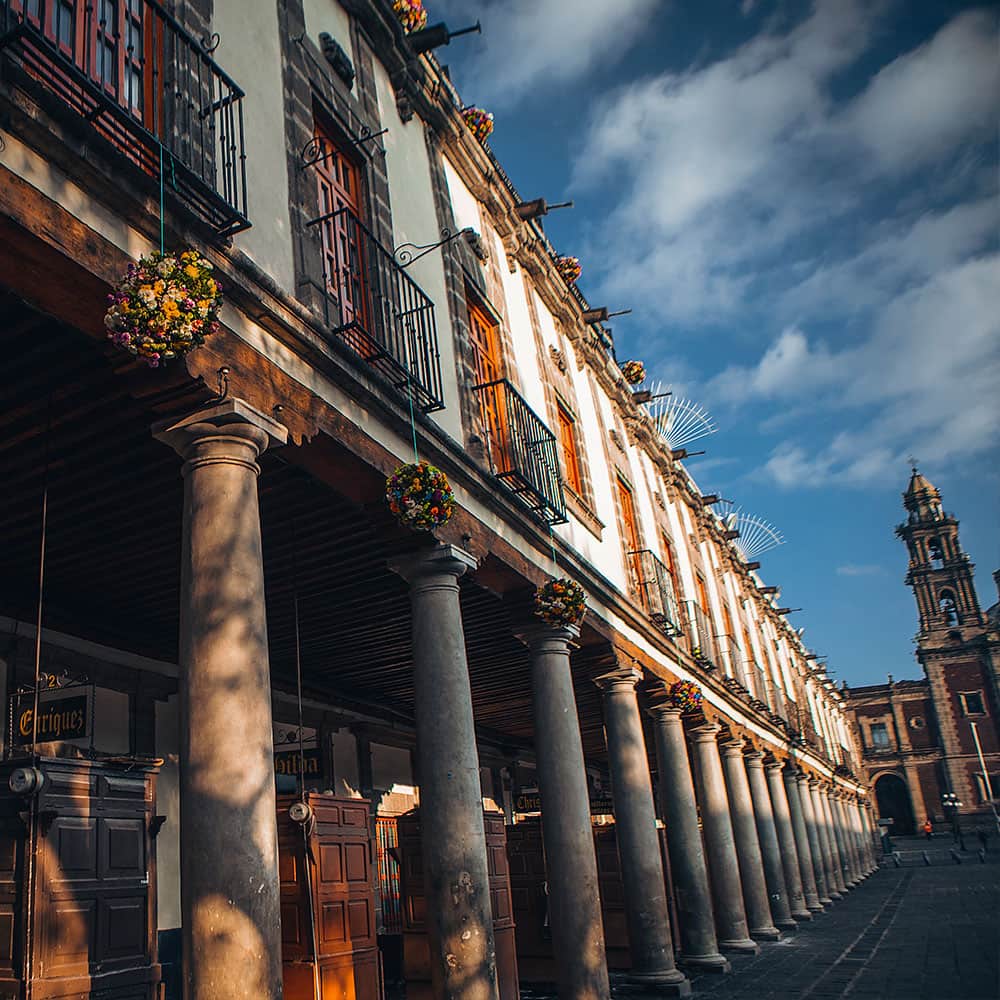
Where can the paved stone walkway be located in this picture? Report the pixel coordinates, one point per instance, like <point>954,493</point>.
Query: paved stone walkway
<point>915,932</point>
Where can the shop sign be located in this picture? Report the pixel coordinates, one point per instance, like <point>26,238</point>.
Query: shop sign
<point>288,762</point>
<point>65,718</point>
<point>532,802</point>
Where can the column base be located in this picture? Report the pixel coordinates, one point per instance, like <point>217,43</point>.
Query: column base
<point>742,945</point>
<point>765,933</point>
<point>826,901</point>
<point>786,925</point>
<point>801,915</point>
<point>665,984</point>
<point>706,963</point>
<point>817,908</point>
<point>835,895</point>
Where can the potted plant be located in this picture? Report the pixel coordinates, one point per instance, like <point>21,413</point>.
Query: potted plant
<point>569,268</point>
<point>634,372</point>
<point>411,14</point>
<point>479,122</point>
<point>420,496</point>
<point>561,602</point>
<point>165,306</point>
<point>685,695</point>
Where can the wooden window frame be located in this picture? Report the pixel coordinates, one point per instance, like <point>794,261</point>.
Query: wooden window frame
<point>572,470</point>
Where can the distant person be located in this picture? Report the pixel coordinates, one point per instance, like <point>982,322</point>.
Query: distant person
<point>984,836</point>
<point>928,828</point>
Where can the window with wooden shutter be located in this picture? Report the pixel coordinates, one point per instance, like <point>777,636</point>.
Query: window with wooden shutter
<point>567,443</point>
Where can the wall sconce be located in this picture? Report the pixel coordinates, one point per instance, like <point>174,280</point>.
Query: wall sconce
<point>601,315</point>
<point>436,35</point>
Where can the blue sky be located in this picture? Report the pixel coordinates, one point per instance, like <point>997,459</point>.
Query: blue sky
<point>799,202</point>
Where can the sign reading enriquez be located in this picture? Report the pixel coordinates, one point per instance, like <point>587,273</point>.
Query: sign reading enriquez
<point>59,719</point>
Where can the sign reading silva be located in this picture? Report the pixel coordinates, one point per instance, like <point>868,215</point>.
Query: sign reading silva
<point>62,718</point>
<point>287,762</point>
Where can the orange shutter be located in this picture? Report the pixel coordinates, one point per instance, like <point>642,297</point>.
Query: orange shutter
<point>571,462</point>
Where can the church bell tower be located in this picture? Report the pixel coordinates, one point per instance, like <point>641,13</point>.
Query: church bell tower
<point>940,573</point>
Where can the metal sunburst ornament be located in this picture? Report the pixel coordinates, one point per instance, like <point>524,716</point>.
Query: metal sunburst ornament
<point>679,421</point>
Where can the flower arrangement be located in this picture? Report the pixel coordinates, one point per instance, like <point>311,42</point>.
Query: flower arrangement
<point>420,496</point>
<point>165,306</point>
<point>411,14</point>
<point>478,121</point>
<point>634,372</point>
<point>685,695</point>
<point>570,269</point>
<point>561,602</point>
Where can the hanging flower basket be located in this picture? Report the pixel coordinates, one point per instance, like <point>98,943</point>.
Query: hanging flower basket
<point>164,307</point>
<point>570,269</point>
<point>479,122</point>
<point>420,496</point>
<point>561,602</point>
<point>411,14</point>
<point>634,372</point>
<point>685,695</point>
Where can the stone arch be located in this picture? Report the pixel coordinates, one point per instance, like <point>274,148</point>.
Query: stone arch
<point>893,800</point>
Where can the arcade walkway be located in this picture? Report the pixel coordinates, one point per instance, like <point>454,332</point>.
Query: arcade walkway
<point>907,933</point>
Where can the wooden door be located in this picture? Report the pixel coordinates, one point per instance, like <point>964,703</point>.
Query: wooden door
<point>345,268</point>
<point>487,363</point>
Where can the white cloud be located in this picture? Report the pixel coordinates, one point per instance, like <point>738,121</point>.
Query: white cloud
<point>531,43</point>
<point>927,379</point>
<point>933,98</point>
<point>860,569</point>
<point>731,172</point>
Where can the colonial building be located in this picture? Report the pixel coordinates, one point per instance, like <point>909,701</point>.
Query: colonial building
<point>261,735</point>
<point>922,739</point>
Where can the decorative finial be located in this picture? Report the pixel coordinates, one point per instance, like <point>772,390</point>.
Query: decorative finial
<point>913,463</point>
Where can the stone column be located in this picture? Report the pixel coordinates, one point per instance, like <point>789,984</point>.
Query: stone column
<point>571,867</point>
<point>872,852</point>
<point>230,907</point>
<point>755,899</point>
<point>830,868</point>
<point>803,842</point>
<point>453,841</point>
<point>838,855</point>
<point>650,945</point>
<point>699,946</point>
<point>770,850</point>
<point>846,825</point>
<point>720,844</point>
<point>786,842</point>
<point>815,846</point>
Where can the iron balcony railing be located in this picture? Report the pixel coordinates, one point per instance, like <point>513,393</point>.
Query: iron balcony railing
<point>374,307</point>
<point>522,450</point>
<point>702,642</point>
<point>132,71</point>
<point>656,591</point>
<point>732,658</point>
<point>757,685</point>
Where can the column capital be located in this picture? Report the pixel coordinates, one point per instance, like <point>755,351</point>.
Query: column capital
<point>442,560</point>
<point>236,431</point>
<point>706,733</point>
<point>542,638</point>
<point>774,765</point>
<point>664,711</point>
<point>755,758</point>
<point>618,681</point>
<point>733,746</point>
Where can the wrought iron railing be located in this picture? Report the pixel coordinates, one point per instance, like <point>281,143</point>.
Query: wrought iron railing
<point>378,310</point>
<point>132,71</point>
<point>656,591</point>
<point>702,640</point>
<point>732,658</point>
<point>522,450</point>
